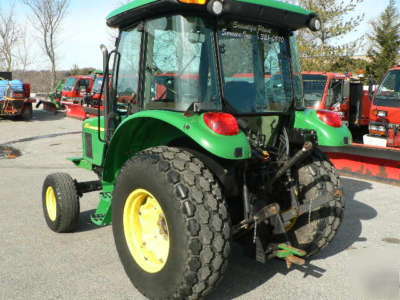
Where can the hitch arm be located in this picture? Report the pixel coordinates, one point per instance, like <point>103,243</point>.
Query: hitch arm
<point>302,209</point>
<point>302,154</point>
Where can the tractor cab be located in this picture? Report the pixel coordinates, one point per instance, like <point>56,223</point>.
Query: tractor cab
<point>190,62</point>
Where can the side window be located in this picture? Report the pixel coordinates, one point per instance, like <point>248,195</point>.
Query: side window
<point>128,72</point>
<point>335,92</point>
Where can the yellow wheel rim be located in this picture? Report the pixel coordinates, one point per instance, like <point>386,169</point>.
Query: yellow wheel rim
<point>146,231</point>
<point>51,203</point>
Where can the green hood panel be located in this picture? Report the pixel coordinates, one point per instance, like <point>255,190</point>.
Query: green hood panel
<point>327,135</point>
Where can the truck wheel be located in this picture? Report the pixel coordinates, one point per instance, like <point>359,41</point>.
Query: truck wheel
<point>27,112</point>
<point>170,224</point>
<point>60,202</point>
<point>316,229</point>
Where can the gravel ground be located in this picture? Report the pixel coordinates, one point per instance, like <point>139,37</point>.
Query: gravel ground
<point>363,261</point>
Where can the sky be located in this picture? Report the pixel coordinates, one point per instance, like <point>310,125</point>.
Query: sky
<point>84,29</point>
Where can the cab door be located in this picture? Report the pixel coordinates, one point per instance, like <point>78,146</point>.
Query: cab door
<point>124,95</point>
<point>127,72</point>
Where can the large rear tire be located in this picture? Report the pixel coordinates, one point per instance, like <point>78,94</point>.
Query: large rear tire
<point>170,224</point>
<point>315,230</point>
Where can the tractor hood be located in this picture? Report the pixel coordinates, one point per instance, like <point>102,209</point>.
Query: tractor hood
<point>267,12</point>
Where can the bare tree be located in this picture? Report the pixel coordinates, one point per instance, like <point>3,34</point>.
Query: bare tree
<point>9,36</point>
<point>49,15</point>
<point>24,53</point>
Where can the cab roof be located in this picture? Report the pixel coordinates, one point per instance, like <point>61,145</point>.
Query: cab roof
<point>269,12</point>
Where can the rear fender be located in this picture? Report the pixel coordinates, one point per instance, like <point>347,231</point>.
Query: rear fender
<point>327,135</point>
<point>152,128</point>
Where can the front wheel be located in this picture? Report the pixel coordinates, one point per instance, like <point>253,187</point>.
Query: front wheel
<point>60,202</point>
<point>315,229</point>
<point>170,224</point>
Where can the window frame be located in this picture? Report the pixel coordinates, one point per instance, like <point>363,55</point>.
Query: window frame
<point>133,107</point>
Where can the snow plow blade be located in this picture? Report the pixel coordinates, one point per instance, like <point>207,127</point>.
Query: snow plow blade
<point>367,162</point>
<point>76,111</point>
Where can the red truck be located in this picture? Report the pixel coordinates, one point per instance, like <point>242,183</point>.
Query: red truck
<point>384,127</point>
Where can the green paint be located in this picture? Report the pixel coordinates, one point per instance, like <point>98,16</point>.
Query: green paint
<point>81,163</point>
<point>98,147</point>
<point>151,128</point>
<point>266,3</point>
<point>327,135</point>
<point>103,214</point>
<point>278,5</point>
<point>286,251</point>
<point>129,6</point>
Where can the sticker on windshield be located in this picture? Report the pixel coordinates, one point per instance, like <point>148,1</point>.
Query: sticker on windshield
<point>242,31</point>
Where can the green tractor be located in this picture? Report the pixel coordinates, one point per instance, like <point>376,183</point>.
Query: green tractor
<point>52,101</point>
<point>205,141</point>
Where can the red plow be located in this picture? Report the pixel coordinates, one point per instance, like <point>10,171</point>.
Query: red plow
<point>369,162</point>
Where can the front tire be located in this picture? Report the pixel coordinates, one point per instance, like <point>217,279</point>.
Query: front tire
<point>314,230</point>
<point>170,224</point>
<point>60,202</point>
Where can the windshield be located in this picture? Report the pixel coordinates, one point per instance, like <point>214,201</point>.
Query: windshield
<point>389,91</point>
<point>69,84</point>
<point>97,85</point>
<point>257,69</point>
<point>314,87</point>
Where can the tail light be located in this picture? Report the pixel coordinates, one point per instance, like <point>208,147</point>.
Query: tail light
<point>329,117</point>
<point>222,123</point>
